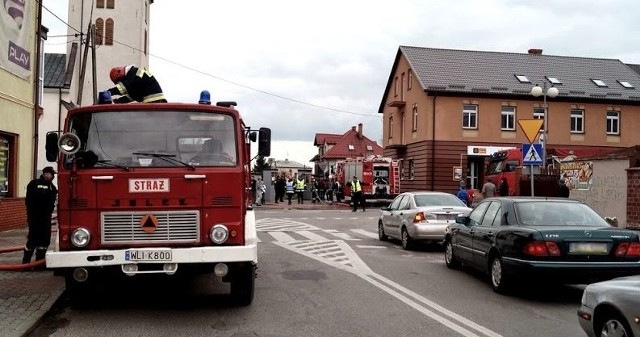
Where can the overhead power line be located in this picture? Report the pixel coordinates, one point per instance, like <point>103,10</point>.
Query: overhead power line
<point>220,78</point>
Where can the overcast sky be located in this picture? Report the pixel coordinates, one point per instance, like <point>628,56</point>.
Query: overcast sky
<point>303,67</point>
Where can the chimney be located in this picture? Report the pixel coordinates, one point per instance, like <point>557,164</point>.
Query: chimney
<point>535,51</point>
<point>353,128</point>
<point>360,130</point>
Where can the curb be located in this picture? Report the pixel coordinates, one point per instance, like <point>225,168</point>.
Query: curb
<point>31,322</point>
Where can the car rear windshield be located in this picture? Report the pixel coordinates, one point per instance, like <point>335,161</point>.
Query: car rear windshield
<point>553,213</point>
<point>423,200</point>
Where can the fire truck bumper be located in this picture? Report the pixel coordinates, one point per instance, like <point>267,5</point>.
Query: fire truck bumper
<point>101,258</point>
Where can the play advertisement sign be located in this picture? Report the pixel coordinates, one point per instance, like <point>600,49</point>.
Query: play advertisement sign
<point>16,29</point>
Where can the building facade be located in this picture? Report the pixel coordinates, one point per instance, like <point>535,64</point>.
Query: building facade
<point>446,109</point>
<point>19,108</point>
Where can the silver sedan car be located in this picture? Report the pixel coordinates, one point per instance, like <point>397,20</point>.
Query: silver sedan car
<point>611,308</point>
<point>419,217</point>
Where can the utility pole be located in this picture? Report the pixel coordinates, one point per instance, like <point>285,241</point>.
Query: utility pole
<point>93,64</point>
<point>84,65</point>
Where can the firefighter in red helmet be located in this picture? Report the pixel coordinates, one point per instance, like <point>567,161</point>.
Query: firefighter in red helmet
<point>135,84</point>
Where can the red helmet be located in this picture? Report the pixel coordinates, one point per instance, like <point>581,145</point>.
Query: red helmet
<point>116,73</point>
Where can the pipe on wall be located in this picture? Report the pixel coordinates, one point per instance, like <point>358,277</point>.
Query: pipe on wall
<point>433,142</point>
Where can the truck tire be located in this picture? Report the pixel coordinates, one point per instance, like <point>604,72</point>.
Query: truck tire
<point>243,284</point>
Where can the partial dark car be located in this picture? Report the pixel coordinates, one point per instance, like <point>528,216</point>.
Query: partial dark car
<point>419,217</point>
<point>611,308</point>
<point>548,239</point>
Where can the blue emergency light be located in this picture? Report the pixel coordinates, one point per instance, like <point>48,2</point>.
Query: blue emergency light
<point>104,97</point>
<point>205,97</point>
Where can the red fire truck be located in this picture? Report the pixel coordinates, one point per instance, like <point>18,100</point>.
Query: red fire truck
<point>503,164</point>
<point>155,188</point>
<point>379,176</point>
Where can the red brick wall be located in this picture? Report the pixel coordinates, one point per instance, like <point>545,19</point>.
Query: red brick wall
<point>12,213</point>
<point>633,197</point>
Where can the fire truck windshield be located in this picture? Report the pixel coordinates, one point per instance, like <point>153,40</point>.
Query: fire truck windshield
<point>157,138</point>
<point>495,167</point>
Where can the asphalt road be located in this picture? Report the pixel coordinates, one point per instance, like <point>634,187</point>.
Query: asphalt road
<point>324,273</point>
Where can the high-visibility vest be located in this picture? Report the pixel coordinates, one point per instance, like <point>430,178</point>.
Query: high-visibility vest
<point>300,184</point>
<point>356,186</point>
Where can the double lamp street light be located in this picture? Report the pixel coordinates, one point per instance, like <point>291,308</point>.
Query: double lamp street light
<point>551,92</point>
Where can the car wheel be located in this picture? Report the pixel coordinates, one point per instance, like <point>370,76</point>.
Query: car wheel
<point>499,280</point>
<point>450,259</point>
<point>407,243</point>
<point>614,325</point>
<point>381,235</point>
<point>243,285</point>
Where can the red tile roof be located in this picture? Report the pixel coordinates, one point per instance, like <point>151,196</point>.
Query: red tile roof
<point>329,138</point>
<point>360,142</point>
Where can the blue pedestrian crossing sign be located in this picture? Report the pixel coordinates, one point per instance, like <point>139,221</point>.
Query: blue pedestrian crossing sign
<point>532,154</point>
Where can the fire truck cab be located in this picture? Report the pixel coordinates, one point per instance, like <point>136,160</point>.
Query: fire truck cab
<point>503,164</point>
<point>160,188</point>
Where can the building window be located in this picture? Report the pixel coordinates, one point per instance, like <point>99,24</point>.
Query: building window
<point>415,117</point>
<point>522,78</point>
<point>351,147</point>
<point>577,121</point>
<point>108,34</point>
<point>410,80</point>
<point>391,127</point>
<point>397,86</point>
<point>369,148</point>
<point>508,118</point>
<point>7,143</point>
<point>412,169</point>
<point>613,122</point>
<point>401,168</point>
<point>100,4</point>
<point>626,84</point>
<point>470,116</point>
<point>145,41</point>
<point>111,4</point>
<point>599,83</point>
<point>538,113</point>
<point>99,33</point>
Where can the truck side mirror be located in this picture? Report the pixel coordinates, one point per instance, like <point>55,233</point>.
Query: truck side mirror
<point>264,142</point>
<point>51,146</point>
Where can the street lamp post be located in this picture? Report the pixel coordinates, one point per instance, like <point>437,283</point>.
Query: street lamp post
<point>551,92</point>
<point>536,92</point>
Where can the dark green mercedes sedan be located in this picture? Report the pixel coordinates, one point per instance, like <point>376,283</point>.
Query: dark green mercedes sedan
<point>514,239</point>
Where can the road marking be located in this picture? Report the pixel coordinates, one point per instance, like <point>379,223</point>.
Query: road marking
<point>370,247</point>
<point>365,233</point>
<point>339,254</point>
<point>343,236</point>
<point>283,237</point>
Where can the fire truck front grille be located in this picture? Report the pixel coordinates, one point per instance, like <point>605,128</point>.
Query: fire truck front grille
<point>127,227</point>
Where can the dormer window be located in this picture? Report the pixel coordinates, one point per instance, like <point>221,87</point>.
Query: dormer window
<point>599,83</point>
<point>522,78</point>
<point>351,147</point>
<point>369,148</point>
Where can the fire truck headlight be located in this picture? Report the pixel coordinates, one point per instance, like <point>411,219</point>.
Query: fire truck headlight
<point>80,237</point>
<point>219,234</point>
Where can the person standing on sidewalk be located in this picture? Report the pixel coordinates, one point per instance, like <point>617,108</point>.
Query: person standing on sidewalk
<point>289,188</point>
<point>40,202</point>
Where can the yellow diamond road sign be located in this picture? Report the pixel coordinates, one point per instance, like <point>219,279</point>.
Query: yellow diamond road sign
<point>530,128</point>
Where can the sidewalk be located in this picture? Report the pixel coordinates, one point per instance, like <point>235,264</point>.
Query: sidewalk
<point>25,296</point>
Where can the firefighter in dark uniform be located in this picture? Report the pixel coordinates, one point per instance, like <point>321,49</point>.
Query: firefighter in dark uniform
<point>135,84</point>
<point>40,202</point>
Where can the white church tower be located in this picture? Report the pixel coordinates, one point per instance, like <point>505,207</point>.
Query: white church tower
<point>121,38</point>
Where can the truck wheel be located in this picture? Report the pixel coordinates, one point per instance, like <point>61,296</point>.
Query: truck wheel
<point>243,284</point>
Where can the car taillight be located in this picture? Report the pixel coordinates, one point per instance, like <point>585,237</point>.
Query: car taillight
<point>542,248</point>
<point>419,217</point>
<point>630,249</point>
